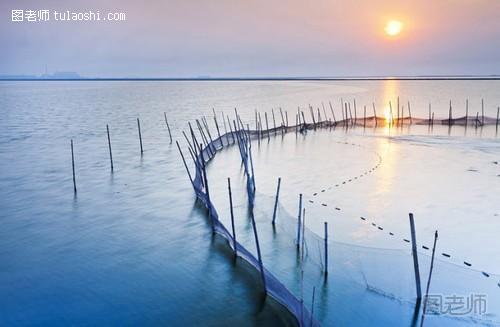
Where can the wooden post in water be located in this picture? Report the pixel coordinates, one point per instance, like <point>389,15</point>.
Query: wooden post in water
<point>415,257</point>
<point>429,279</point>
<point>299,221</point>
<point>466,111</point>
<point>375,114</point>
<point>355,113</point>
<point>482,112</point>
<point>397,121</point>
<point>477,118</point>
<point>267,127</point>
<point>312,306</point>
<point>450,115</point>
<point>333,113</point>
<point>140,135</point>
<point>326,248</point>
<point>185,165</point>
<point>429,114</point>
<point>364,117</point>
<point>498,113</point>
<point>259,256</point>
<point>109,145</point>
<point>274,121</point>
<point>168,127</point>
<point>232,215</point>
<point>73,166</point>
<point>276,200</point>
<point>409,112</point>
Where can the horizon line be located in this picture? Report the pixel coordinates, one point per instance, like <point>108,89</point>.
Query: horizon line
<point>257,78</point>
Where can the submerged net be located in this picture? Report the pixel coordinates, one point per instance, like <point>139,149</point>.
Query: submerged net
<point>456,292</point>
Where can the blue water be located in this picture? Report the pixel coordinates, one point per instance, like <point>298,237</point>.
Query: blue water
<point>133,247</point>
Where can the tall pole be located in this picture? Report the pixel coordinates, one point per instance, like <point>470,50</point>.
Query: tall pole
<point>73,166</point>
<point>276,200</point>
<point>109,145</point>
<point>326,248</point>
<point>429,279</point>
<point>232,214</point>
<point>415,257</point>
<point>298,221</point>
<point>140,136</point>
<point>168,126</point>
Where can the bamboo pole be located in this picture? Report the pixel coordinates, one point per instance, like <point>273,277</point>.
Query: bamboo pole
<point>415,257</point>
<point>364,117</point>
<point>326,248</point>
<point>276,200</point>
<point>409,112</point>
<point>232,215</point>
<point>498,114</point>
<point>259,256</point>
<point>299,221</point>
<point>333,113</point>
<point>274,121</point>
<point>185,165</point>
<point>109,146</point>
<point>429,279</point>
<point>140,135</point>
<point>73,166</point>
<point>168,127</point>
<point>466,112</point>
<point>267,127</point>
<point>482,112</point>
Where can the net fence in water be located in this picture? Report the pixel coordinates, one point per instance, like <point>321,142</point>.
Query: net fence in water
<point>272,285</point>
<point>456,292</point>
<point>386,272</point>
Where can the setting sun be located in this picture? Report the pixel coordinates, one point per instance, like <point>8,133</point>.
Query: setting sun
<point>393,27</point>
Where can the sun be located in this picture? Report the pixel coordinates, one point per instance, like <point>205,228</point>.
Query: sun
<point>393,27</point>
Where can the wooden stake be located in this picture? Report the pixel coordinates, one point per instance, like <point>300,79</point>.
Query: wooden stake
<point>185,165</point>
<point>409,112</point>
<point>312,306</point>
<point>326,248</point>
<point>267,127</point>
<point>276,200</point>
<point>482,112</point>
<point>429,279</point>
<point>466,111</point>
<point>498,113</point>
<point>333,113</point>
<point>259,256</point>
<point>73,166</point>
<point>450,115</point>
<point>109,145</point>
<point>140,136</point>
<point>364,117</point>
<point>299,221</point>
<point>355,113</point>
<point>415,257</point>
<point>232,215</point>
<point>168,127</point>
<point>375,114</point>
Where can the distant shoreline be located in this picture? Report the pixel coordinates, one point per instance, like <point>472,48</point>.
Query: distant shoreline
<point>219,79</point>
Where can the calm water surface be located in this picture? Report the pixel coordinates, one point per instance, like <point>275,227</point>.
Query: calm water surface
<point>133,247</point>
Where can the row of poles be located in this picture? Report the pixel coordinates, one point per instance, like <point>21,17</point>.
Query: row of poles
<point>348,119</point>
<point>110,149</point>
<point>242,137</point>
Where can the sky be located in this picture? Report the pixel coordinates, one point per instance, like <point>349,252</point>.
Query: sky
<point>254,38</point>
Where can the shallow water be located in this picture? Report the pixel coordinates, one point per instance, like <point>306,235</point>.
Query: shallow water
<point>133,247</point>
